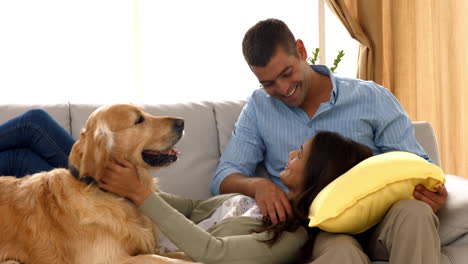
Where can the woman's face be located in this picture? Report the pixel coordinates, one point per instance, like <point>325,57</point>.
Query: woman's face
<point>293,174</point>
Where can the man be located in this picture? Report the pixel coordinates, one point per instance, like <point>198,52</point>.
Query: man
<point>296,101</point>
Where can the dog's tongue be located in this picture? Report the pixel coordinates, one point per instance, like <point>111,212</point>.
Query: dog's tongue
<point>171,151</point>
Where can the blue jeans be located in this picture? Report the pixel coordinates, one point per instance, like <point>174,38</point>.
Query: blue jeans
<point>33,142</point>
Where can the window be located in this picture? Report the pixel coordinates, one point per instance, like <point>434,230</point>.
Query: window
<point>337,38</point>
<point>141,50</point>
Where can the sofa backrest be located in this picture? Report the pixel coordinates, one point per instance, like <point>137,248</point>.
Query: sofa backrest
<point>60,112</point>
<point>226,114</point>
<point>191,174</point>
<point>208,128</point>
<point>425,135</point>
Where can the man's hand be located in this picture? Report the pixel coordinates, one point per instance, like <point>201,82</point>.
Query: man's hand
<point>434,199</point>
<point>272,201</point>
<point>121,178</point>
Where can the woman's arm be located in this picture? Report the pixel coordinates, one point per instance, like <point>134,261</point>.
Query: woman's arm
<point>202,246</point>
<point>243,247</point>
<point>121,178</point>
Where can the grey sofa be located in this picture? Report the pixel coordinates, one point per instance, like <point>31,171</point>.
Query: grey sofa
<point>208,129</point>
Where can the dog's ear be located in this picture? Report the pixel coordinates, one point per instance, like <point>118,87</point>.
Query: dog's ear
<point>91,153</point>
<point>76,153</point>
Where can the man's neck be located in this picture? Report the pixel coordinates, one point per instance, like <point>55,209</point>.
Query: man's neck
<point>318,92</point>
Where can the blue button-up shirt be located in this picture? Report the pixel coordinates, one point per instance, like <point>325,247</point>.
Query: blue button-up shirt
<point>268,129</point>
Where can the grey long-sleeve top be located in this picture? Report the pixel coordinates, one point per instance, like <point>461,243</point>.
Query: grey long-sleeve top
<point>228,241</point>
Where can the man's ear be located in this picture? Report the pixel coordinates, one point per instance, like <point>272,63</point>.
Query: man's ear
<point>301,49</point>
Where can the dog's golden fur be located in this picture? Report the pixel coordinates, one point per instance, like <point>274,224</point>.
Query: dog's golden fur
<point>52,217</point>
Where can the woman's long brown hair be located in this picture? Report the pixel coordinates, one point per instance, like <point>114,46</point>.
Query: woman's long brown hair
<point>331,156</point>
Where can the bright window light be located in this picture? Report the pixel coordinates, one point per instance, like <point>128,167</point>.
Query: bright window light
<point>191,50</point>
<point>337,38</point>
<point>141,51</point>
<point>58,51</point>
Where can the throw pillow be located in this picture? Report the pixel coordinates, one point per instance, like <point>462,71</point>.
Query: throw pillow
<point>359,199</point>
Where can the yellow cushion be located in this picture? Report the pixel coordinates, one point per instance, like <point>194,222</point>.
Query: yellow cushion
<point>359,199</point>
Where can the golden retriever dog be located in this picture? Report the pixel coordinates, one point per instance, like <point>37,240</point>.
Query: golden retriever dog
<point>56,217</point>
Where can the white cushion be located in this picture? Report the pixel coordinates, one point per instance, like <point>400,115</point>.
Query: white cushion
<point>453,216</point>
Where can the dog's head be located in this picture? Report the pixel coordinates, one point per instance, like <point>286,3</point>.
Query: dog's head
<point>125,131</point>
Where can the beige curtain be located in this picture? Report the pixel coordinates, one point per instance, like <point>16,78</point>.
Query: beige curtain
<point>420,54</point>
<point>366,53</point>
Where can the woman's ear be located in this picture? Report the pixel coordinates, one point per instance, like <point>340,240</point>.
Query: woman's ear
<point>301,49</point>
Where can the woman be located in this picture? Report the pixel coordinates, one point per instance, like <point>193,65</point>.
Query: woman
<point>229,228</point>
<point>223,229</point>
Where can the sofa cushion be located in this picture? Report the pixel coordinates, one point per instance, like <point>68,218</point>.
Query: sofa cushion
<point>454,254</point>
<point>359,199</point>
<point>453,216</point>
<point>58,111</point>
<point>79,114</point>
<point>226,114</point>
<point>426,137</point>
<point>190,176</point>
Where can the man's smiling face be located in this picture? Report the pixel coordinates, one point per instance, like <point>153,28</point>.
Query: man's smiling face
<point>283,77</point>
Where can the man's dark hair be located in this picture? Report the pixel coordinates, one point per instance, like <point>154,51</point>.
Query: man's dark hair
<point>261,40</point>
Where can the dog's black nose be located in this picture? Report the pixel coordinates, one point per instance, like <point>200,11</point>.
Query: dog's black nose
<point>179,124</point>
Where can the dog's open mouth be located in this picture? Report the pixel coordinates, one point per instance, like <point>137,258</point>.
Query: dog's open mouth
<point>160,158</point>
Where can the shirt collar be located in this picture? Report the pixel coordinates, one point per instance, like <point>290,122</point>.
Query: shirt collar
<point>324,70</point>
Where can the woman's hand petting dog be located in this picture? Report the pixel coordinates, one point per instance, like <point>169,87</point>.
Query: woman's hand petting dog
<point>121,178</point>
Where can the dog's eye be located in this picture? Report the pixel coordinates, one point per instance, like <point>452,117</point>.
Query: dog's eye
<point>139,120</point>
